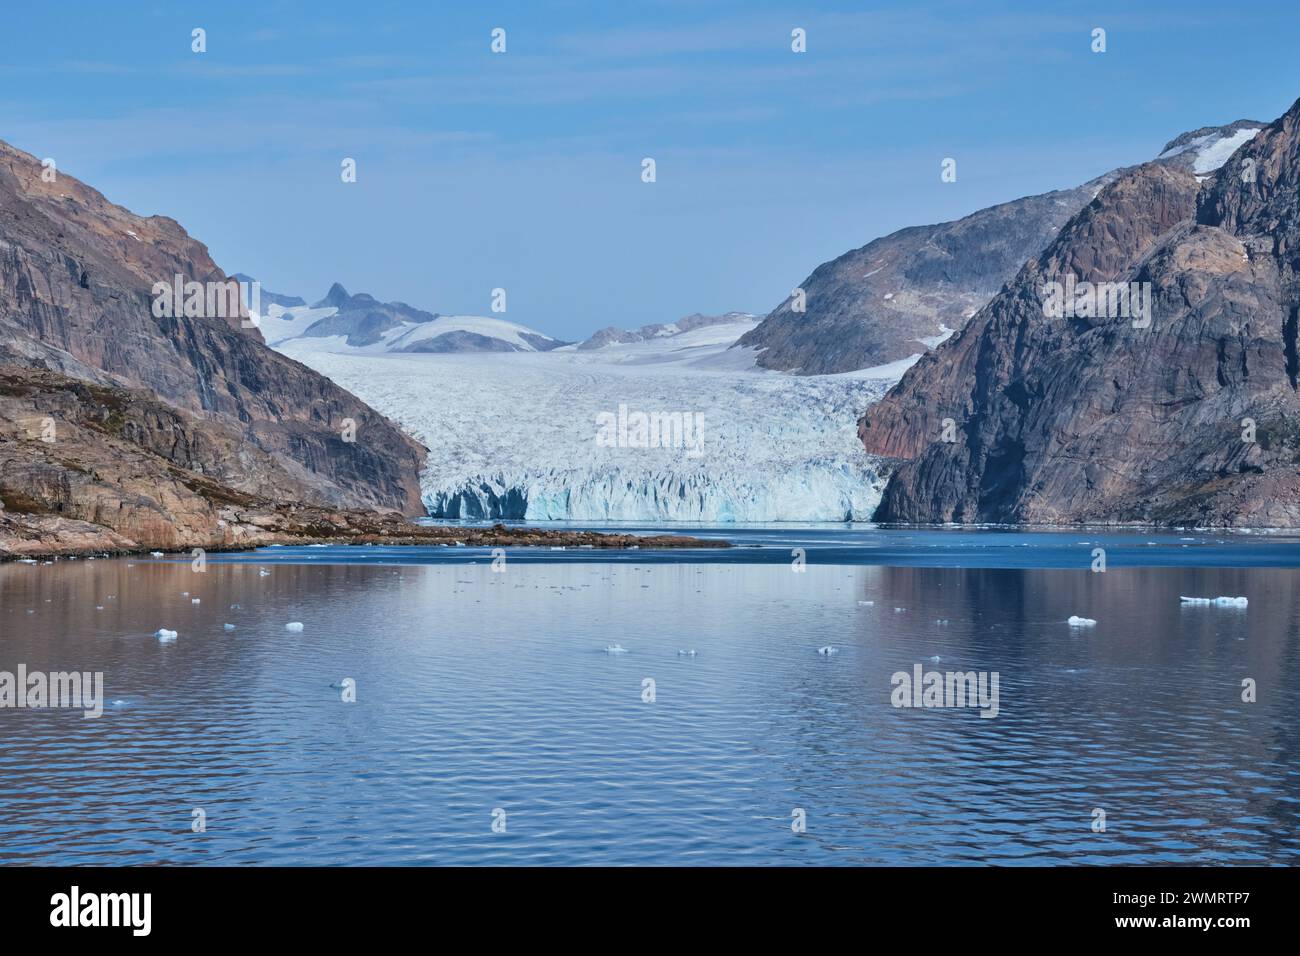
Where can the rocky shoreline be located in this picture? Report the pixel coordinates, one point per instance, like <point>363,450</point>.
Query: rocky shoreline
<point>50,536</point>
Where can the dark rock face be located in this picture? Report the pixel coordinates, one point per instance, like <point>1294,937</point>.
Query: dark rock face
<point>76,281</point>
<point>874,305</point>
<point>1091,419</point>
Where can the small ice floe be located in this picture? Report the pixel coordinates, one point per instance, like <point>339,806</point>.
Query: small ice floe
<point>1076,621</point>
<point>164,635</point>
<point>227,627</point>
<point>294,626</point>
<point>687,653</point>
<point>615,649</point>
<point>1217,602</point>
<point>196,601</point>
<point>828,650</point>
<point>155,554</point>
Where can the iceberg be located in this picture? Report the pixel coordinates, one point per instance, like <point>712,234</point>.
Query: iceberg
<point>1217,602</point>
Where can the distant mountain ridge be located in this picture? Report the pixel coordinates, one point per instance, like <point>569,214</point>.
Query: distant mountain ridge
<point>612,335</point>
<point>362,322</point>
<point>885,301</point>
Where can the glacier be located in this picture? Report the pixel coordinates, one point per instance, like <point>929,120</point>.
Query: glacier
<point>515,435</point>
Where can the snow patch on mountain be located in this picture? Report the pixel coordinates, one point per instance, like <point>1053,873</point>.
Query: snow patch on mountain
<point>279,324</point>
<point>1213,149</point>
<point>481,333</point>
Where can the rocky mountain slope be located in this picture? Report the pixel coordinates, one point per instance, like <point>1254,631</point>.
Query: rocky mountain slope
<point>77,296</point>
<point>1190,420</point>
<point>890,299</point>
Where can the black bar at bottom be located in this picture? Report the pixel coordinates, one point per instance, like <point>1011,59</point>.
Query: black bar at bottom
<point>300,905</point>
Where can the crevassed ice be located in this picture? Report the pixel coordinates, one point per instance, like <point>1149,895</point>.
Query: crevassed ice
<point>514,435</point>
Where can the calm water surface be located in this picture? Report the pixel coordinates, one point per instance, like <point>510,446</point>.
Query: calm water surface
<point>480,691</point>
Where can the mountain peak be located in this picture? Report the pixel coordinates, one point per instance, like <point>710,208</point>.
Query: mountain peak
<point>337,297</point>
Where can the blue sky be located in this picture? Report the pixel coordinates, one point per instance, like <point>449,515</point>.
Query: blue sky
<point>522,170</point>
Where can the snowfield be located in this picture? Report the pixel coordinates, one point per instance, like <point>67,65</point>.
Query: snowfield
<point>279,325</point>
<point>520,435</point>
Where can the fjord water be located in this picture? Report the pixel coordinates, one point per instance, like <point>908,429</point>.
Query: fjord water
<point>481,691</point>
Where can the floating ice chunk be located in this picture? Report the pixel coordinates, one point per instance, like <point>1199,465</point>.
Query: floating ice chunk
<point>227,627</point>
<point>689,653</point>
<point>615,649</point>
<point>1075,621</point>
<point>196,601</point>
<point>1217,602</point>
<point>165,635</point>
<point>294,626</point>
<point>828,650</point>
